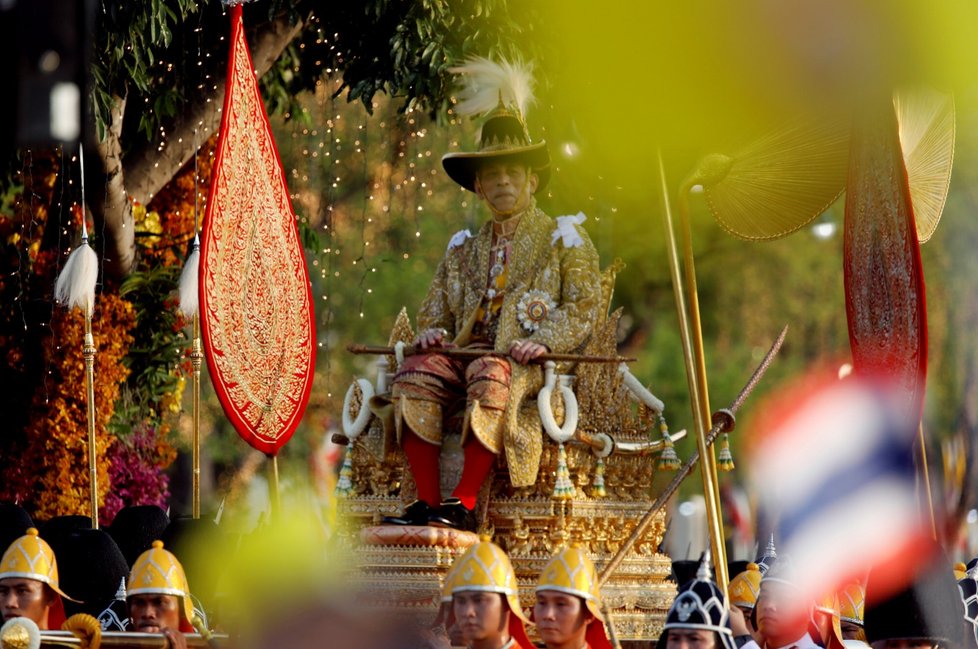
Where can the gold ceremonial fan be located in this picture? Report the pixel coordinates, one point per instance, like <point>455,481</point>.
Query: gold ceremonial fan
<point>784,180</point>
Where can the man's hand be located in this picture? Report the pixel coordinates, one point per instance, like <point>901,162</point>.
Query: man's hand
<point>431,338</point>
<point>738,622</point>
<point>175,639</point>
<point>524,351</point>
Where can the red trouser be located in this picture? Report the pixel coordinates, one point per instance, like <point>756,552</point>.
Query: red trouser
<point>429,386</point>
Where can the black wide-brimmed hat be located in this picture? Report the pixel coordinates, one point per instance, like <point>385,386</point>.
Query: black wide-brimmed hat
<point>501,92</point>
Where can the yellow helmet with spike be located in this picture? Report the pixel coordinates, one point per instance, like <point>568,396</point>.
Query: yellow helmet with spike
<point>852,603</point>
<point>571,571</point>
<point>157,572</point>
<point>485,567</point>
<point>744,588</point>
<point>30,557</point>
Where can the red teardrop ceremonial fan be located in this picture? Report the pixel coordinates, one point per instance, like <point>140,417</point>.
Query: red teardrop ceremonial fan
<point>256,308</point>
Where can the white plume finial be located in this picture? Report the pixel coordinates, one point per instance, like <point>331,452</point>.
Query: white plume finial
<point>189,304</point>
<point>485,82</point>
<point>770,550</point>
<point>76,283</point>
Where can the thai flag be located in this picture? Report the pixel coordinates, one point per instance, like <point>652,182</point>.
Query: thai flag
<point>832,467</point>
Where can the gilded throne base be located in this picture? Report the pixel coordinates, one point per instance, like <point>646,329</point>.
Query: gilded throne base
<point>402,568</point>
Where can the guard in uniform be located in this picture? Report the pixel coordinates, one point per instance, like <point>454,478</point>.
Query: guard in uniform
<point>852,606</point>
<point>698,616</point>
<point>159,596</point>
<point>485,599</point>
<point>743,590</point>
<point>567,612</point>
<point>522,285</point>
<point>29,584</point>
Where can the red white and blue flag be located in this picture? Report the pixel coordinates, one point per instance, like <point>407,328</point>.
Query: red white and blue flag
<point>833,468</point>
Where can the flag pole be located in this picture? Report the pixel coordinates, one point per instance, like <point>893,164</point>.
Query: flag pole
<point>692,342</point>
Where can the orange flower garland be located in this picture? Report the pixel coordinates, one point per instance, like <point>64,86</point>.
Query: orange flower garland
<point>59,428</point>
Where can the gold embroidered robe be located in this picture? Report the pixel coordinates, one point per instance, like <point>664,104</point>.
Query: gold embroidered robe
<point>570,276</point>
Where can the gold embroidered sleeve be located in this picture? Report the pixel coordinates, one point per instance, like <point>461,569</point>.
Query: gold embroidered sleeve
<point>580,290</point>
<point>435,312</point>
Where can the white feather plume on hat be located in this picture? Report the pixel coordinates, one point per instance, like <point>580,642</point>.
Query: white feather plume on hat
<point>485,82</point>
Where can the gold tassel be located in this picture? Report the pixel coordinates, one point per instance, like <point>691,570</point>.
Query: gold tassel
<point>668,460</point>
<point>563,488</point>
<point>599,490</point>
<point>725,460</point>
<point>344,485</point>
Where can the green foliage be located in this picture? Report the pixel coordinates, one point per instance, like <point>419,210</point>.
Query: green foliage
<point>133,39</point>
<point>163,55</point>
<point>158,349</point>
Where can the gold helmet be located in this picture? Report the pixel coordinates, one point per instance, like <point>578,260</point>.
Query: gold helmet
<point>30,557</point>
<point>571,571</point>
<point>829,605</point>
<point>744,588</point>
<point>960,570</point>
<point>157,572</point>
<point>449,583</point>
<point>852,603</point>
<point>485,567</point>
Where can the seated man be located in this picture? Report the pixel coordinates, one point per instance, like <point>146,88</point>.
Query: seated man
<point>698,617</point>
<point>567,612</point>
<point>29,583</point>
<point>159,596</point>
<point>523,285</point>
<point>485,599</point>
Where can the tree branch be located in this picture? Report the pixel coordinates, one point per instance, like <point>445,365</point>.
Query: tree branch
<point>147,170</point>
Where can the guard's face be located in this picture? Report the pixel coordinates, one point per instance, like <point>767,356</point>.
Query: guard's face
<point>480,616</point>
<point>690,639</point>
<point>561,619</point>
<point>852,631</point>
<point>151,613</point>
<point>506,187</point>
<point>25,598</point>
<point>773,621</point>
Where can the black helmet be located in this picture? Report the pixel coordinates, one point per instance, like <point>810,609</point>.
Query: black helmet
<point>135,528</point>
<point>701,605</point>
<point>929,609</point>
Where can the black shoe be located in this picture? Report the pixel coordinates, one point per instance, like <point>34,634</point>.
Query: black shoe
<point>417,513</point>
<point>452,513</point>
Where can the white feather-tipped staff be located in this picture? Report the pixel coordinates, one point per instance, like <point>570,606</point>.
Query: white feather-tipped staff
<point>76,288</point>
<point>189,305</point>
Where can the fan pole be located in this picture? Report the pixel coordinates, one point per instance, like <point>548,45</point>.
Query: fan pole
<point>692,341</point>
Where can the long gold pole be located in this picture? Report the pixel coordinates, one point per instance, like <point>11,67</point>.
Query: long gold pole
<point>276,500</point>
<point>88,351</point>
<point>692,341</point>
<point>925,477</point>
<point>196,356</point>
